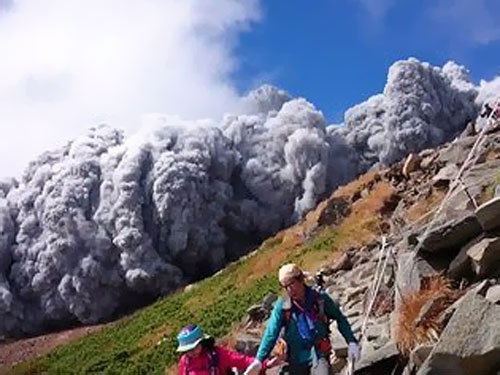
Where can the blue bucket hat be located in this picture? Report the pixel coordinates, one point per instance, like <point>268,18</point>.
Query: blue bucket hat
<point>189,337</point>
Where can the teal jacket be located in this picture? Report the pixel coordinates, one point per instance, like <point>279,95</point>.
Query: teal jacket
<point>299,350</point>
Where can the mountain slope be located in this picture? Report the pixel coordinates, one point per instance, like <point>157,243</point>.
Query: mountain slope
<point>217,303</point>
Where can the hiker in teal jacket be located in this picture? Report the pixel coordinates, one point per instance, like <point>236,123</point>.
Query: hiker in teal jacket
<point>305,314</point>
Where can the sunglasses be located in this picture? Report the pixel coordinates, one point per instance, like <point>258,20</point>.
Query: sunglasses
<point>289,284</point>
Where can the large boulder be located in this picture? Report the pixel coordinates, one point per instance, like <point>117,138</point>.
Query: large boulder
<point>488,214</point>
<point>452,235</point>
<point>411,269</point>
<point>481,257</point>
<point>456,152</point>
<point>470,343</point>
<point>381,361</point>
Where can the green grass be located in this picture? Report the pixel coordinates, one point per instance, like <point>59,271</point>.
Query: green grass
<point>128,346</point>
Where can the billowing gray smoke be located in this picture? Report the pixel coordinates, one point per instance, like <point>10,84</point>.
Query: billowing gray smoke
<point>421,106</point>
<point>107,220</point>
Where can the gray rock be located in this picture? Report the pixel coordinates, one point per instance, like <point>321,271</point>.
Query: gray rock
<point>374,361</point>
<point>375,331</point>
<point>420,354</point>
<point>481,256</point>
<point>427,161</point>
<point>485,257</point>
<point>411,269</point>
<point>356,325</point>
<point>269,300</point>
<point>355,293</point>
<point>378,335</point>
<point>190,287</point>
<point>339,345</point>
<point>360,257</point>
<point>497,190</point>
<point>453,234</point>
<point>461,266</point>
<point>355,311</point>
<point>479,288</point>
<point>410,369</point>
<point>257,313</point>
<point>488,214</point>
<point>493,294</point>
<point>456,152</point>
<point>247,344</point>
<point>344,263</point>
<point>445,175</point>
<point>470,343</point>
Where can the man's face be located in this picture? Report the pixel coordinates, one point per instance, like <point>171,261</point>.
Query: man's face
<point>295,288</point>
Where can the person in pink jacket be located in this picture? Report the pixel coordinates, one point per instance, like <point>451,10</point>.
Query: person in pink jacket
<point>202,357</point>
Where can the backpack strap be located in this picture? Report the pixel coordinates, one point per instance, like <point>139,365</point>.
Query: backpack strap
<point>213,362</point>
<point>287,310</point>
<point>318,306</point>
<point>319,303</point>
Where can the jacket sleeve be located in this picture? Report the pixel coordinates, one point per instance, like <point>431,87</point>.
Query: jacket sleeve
<point>230,358</point>
<point>272,331</point>
<point>332,311</point>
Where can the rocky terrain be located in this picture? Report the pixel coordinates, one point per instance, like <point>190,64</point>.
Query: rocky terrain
<point>424,297</point>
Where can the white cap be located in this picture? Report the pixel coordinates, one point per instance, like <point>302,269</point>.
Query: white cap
<point>288,272</point>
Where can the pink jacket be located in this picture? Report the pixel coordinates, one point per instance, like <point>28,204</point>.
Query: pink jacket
<point>227,359</point>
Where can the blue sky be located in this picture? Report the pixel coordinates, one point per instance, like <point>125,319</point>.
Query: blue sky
<point>68,65</point>
<point>336,53</point>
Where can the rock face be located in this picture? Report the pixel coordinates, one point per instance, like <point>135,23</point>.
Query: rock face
<point>470,343</point>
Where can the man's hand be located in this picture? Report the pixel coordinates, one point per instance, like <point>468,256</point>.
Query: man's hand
<point>353,352</point>
<point>254,368</point>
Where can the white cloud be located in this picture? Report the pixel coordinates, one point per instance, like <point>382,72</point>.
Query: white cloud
<point>377,9</point>
<point>472,21</point>
<point>67,65</point>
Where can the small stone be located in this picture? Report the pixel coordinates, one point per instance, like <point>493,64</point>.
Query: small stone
<point>411,164</point>
<point>493,294</point>
<point>339,345</point>
<point>338,363</point>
